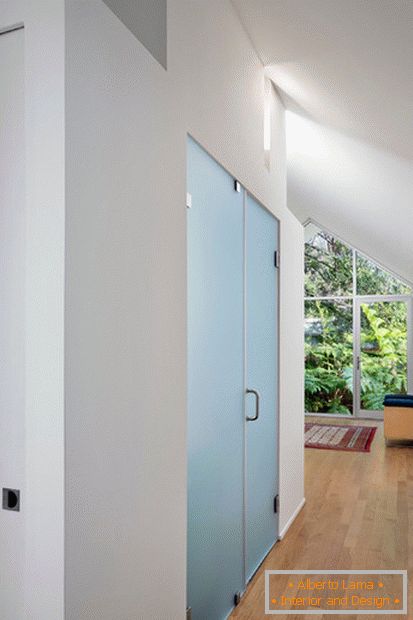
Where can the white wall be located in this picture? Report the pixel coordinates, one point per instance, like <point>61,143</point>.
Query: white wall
<point>125,326</point>
<point>125,310</point>
<point>12,315</point>
<point>291,461</point>
<point>42,500</point>
<point>291,373</point>
<point>126,124</point>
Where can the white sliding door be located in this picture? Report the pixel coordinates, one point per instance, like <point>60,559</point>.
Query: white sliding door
<point>12,322</point>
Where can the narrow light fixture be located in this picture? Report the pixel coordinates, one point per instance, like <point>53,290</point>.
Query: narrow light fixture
<point>267,114</point>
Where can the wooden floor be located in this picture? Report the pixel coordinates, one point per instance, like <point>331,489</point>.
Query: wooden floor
<point>358,514</point>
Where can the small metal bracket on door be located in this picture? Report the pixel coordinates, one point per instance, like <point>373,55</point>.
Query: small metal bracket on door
<point>237,186</point>
<point>188,200</point>
<point>237,598</point>
<point>189,613</point>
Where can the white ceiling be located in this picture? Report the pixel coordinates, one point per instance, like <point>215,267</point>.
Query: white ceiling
<point>345,70</point>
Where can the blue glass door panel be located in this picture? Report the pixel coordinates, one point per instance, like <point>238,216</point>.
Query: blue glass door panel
<point>215,244</point>
<point>261,375</point>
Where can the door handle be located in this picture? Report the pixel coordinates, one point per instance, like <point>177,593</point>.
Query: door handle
<point>257,406</point>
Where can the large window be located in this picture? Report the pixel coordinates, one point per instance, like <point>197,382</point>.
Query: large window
<point>356,324</point>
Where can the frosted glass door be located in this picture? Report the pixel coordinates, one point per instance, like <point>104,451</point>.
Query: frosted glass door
<point>215,241</point>
<point>261,376</point>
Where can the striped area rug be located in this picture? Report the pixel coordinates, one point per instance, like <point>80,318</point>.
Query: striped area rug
<point>339,437</point>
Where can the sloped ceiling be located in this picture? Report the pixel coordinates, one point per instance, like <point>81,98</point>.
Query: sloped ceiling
<point>345,71</point>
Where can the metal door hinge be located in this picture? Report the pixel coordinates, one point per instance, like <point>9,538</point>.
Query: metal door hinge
<point>188,200</point>
<point>237,186</point>
<point>188,613</point>
<point>237,598</point>
<point>277,504</point>
<point>276,259</point>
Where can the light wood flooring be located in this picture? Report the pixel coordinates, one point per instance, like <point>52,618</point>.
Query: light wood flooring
<point>358,514</point>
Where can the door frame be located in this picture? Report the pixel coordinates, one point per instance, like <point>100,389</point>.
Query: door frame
<point>358,300</point>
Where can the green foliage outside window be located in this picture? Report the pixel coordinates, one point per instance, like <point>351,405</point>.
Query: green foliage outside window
<point>372,280</point>
<point>329,356</point>
<point>328,267</point>
<point>329,330</point>
<point>383,352</point>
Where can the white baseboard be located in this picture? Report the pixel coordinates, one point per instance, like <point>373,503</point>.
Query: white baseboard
<point>291,519</point>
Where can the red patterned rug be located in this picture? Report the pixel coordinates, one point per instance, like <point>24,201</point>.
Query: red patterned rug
<point>339,437</point>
